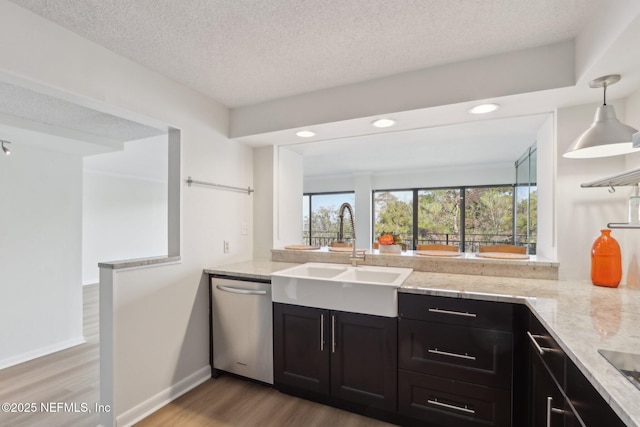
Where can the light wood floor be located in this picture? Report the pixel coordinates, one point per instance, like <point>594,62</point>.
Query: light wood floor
<point>233,402</point>
<point>68,376</point>
<point>73,375</point>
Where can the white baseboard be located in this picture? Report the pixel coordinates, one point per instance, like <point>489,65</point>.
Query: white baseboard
<point>42,351</point>
<point>156,402</point>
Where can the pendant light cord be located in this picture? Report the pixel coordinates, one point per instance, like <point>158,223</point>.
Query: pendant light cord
<point>604,101</point>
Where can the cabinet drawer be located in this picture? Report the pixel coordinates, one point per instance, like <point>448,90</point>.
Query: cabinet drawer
<point>474,355</point>
<point>455,311</point>
<point>540,341</point>
<point>445,402</point>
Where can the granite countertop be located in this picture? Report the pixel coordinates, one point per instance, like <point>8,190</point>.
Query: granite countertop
<point>581,317</point>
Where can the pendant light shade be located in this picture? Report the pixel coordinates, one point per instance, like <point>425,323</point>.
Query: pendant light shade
<point>606,136</point>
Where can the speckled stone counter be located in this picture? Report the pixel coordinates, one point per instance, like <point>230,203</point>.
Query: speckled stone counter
<point>250,269</point>
<point>465,263</point>
<point>581,317</point>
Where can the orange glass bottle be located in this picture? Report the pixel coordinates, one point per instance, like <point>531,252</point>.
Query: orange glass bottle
<point>606,261</point>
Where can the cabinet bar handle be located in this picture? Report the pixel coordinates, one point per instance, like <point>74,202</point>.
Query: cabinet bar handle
<point>541,350</point>
<point>446,405</point>
<point>446,353</point>
<point>322,332</point>
<point>455,313</point>
<point>551,409</point>
<point>333,334</point>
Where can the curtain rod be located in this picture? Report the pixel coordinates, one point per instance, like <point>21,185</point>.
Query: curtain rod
<point>247,190</point>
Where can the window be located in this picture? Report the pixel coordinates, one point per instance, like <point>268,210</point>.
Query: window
<point>439,216</point>
<point>488,217</point>
<point>320,217</point>
<point>466,217</point>
<point>526,208</point>
<point>393,213</point>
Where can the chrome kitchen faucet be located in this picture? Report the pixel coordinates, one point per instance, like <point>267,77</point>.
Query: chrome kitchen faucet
<point>354,254</point>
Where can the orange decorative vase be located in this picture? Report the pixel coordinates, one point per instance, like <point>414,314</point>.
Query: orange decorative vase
<point>606,261</point>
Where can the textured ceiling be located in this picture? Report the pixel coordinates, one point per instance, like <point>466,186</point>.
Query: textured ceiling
<point>38,108</point>
<point>242,52</point>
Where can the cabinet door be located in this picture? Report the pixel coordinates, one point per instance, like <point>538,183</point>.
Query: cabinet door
<point>589,404</point>
<point>301,353</point>
<point>364,359</point>
<point>547,402</point>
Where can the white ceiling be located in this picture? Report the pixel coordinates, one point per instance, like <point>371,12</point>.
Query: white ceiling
<point>251,53</point>
<point>22,103</point>
<point>243,52</point>
<point>469,144</point>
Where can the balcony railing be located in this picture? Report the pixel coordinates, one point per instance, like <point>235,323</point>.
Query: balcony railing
<point>473,240</point>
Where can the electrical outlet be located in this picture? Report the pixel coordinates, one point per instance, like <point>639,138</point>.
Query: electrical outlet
<point>244,229</point>
<point>226,246</point>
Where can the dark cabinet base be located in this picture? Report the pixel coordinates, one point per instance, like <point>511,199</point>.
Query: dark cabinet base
<point>347,360</point>
<point>445,402</point>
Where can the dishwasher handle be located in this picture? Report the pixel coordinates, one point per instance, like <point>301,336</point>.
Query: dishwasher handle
<point>241,290</point>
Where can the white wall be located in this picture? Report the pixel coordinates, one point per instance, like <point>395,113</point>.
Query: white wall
<point>289,182</point>
<point>440,177</point>
<point>546,246</point>
<point>124,205</point>
<point>40,252</point>
<point>278,203</point>
<point>583,212</point>
<point>160,330</point>
<point>630,238</point>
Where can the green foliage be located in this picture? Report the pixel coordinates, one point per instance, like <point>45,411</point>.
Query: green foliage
<point>393,215</point>
<point>489,214</point>
<point>438,214</point>
<point>325,221</point>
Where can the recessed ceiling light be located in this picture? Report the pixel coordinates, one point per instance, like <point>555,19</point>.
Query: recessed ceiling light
<point>305,134</point>
<point>484,108</point>
<point>383,123</point>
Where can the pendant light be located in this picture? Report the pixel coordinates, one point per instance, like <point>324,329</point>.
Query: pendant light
<point>6,149</point>
<point>607,136</point>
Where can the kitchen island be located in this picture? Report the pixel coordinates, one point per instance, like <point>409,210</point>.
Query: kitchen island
<point>581,317</point>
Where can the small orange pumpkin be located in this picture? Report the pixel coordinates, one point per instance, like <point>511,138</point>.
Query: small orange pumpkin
<point>386,239</point>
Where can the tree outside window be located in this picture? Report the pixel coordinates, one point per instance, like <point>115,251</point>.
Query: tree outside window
<point>488,216</point>
<point>439,216</point>
<point>321,223</point>
<point>393,212</point>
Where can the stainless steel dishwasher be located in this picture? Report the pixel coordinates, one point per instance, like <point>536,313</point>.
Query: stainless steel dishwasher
<point>241,326</point>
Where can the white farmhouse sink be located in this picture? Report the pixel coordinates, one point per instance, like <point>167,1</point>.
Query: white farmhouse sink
<point>363,289</point>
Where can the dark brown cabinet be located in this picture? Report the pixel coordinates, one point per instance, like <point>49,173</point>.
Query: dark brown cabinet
<point>455,361</point>
<point>348,357</point>
<point>559,394</point>
<point>548,405</point>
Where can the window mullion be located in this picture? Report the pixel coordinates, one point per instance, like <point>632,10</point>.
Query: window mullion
<point>463,238</point>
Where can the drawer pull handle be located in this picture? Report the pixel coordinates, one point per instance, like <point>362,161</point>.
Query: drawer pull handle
<point>541,350</point>
<point>551,409</point>
<point>333,334</point>
<point>448,406</point>
<point>322,332</point>
<point>455,313</point>
<point>446,353</point>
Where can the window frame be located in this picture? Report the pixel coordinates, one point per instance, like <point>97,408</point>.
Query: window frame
<point>462,192</point>
<point>323,193</point>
